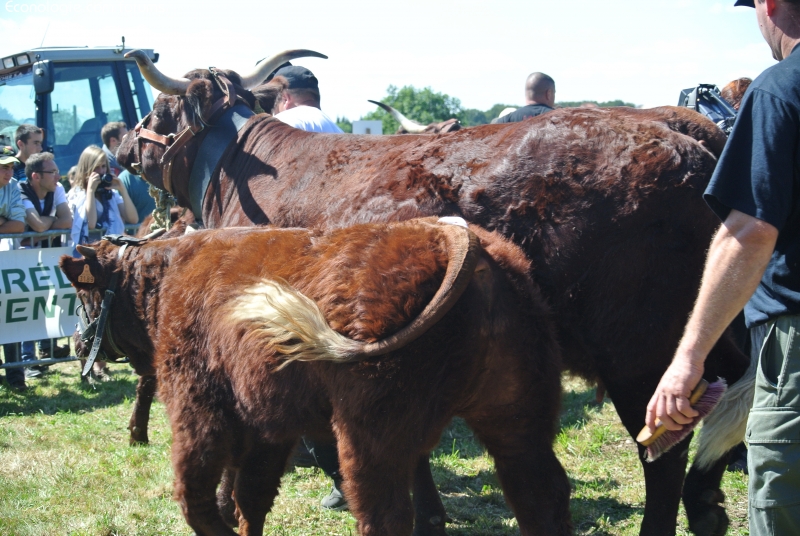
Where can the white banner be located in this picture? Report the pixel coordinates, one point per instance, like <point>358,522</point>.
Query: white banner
<point>36,300</point>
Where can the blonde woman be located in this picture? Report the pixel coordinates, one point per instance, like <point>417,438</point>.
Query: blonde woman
<point>101,200</point>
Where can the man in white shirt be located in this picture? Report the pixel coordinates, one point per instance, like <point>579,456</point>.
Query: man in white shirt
<point>298,105</point>
<point>43,195</point>
<point>46,209</point>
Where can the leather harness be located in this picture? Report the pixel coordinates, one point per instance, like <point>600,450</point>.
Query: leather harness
<point>226,119</point>
<point>92,332</point>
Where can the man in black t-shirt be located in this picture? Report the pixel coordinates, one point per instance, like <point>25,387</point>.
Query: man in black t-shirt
<point>754,262</point>
<point>540,98</point>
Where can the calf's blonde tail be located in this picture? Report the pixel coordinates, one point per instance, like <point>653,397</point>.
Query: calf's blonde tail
<point>293,325</point>
<point>290,323</point>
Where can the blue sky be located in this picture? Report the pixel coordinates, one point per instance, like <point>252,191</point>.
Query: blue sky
<point>478,52</point>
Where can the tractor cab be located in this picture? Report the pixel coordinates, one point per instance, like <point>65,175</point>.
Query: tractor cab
<point>71,92</point>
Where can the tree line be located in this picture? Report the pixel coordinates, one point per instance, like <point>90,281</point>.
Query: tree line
<point>426,106</point>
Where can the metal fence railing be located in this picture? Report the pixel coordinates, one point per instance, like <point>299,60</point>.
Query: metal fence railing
<point>50,236</point>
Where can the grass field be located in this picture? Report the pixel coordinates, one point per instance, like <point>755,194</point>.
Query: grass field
<point>66,468</point>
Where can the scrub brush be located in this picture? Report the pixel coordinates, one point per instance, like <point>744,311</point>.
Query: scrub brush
<point>703,399</point>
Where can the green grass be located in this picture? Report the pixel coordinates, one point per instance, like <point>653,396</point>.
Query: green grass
<point>66,468</point>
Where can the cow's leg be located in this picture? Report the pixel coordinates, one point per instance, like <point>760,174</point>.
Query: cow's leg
<point>702,499</point>
<point>534,483</point>
<point>145,391</point>
<point>702,496</point>
<point>225,502</point>
<point>429,514</point>
<point>199,453</point>
<point>257,483</point>
<point>663,477</point>
<point>376,484</point>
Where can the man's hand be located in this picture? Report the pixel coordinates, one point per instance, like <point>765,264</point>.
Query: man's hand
<point>670,403</point>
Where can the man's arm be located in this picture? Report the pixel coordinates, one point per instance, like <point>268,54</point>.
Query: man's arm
<point>13,220</point>
<point>63,219</point>
<point>38,223</point>
<point>736,261</point>
<point>11,226</point>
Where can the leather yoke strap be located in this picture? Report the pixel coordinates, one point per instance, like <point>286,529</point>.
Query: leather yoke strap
<point>217,139</point>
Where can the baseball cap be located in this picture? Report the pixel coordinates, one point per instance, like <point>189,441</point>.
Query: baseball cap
<point>298,77</point>
<point>748,3</point>
<point>8,155</point>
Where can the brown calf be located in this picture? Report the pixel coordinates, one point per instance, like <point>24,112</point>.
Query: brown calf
<point>215,311</point>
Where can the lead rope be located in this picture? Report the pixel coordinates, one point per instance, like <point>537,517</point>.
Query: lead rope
<point>161,214</point>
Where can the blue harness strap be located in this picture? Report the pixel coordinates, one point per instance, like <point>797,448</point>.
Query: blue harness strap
<point>210,151</point>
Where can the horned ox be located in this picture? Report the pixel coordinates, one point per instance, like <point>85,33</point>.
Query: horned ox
<point>435,321</point>
<point>409,126</point>
<point>605,202</point>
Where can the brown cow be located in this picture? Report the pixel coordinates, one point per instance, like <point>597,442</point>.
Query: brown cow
<point>734,91</point>
<point>146,386</point>
<point>431,322</point>
<point>605,202</point>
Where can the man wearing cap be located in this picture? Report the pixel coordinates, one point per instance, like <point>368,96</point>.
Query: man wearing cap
<point>12,220</point>
<point>298,104</point>
<point>754,262</point>
<point>540,98</point>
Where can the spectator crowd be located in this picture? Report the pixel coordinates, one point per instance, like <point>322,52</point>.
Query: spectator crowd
<point>33,198</point>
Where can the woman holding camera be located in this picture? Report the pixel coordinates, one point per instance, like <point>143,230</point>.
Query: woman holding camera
<point>98,200</point>
<point>101,200</point>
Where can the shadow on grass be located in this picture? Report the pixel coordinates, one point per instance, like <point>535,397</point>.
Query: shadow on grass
<point>579,407</point>
<point>60,390</point>
<point>476,507</point>
<point>602,515</point>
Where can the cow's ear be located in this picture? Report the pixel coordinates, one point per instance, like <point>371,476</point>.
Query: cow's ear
<point>78,272</point>
<point>200,95</point>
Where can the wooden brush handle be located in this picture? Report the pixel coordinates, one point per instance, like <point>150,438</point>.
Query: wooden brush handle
<point>646,438</point>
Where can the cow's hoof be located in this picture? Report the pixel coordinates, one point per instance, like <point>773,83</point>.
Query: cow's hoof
<point>713,520</point>
<point>138,436</point>
<point>227,509</point>
<point>433,527</point>
<point>712,523</point>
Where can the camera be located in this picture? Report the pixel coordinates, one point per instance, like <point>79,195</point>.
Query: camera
<point>106,179</point>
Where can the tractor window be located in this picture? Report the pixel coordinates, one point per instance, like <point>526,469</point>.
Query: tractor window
<point>141,91</point>
<point>84,99</point>
<point>17,104</point>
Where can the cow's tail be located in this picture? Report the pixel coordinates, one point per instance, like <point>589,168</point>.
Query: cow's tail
<point>725,427</point>
<point>292,324</point>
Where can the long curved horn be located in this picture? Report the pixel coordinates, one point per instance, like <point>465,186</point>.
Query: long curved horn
<point>157,79</point>
<point>411,126</point>
<point>292,324</point>
<point>265,67</point>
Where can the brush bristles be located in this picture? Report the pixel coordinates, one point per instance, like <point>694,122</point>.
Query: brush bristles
<point>704,406</point>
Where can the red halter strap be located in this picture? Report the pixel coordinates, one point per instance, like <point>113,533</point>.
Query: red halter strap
<point>175,142</point>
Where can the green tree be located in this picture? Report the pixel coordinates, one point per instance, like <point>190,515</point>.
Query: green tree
<point>424,106</point>
<point>471,117</point>
<point>345,124</point>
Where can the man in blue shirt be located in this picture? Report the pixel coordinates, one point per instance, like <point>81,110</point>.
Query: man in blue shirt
<point>753,263</point>
<point>12,220</point>
<point>540,98</point>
